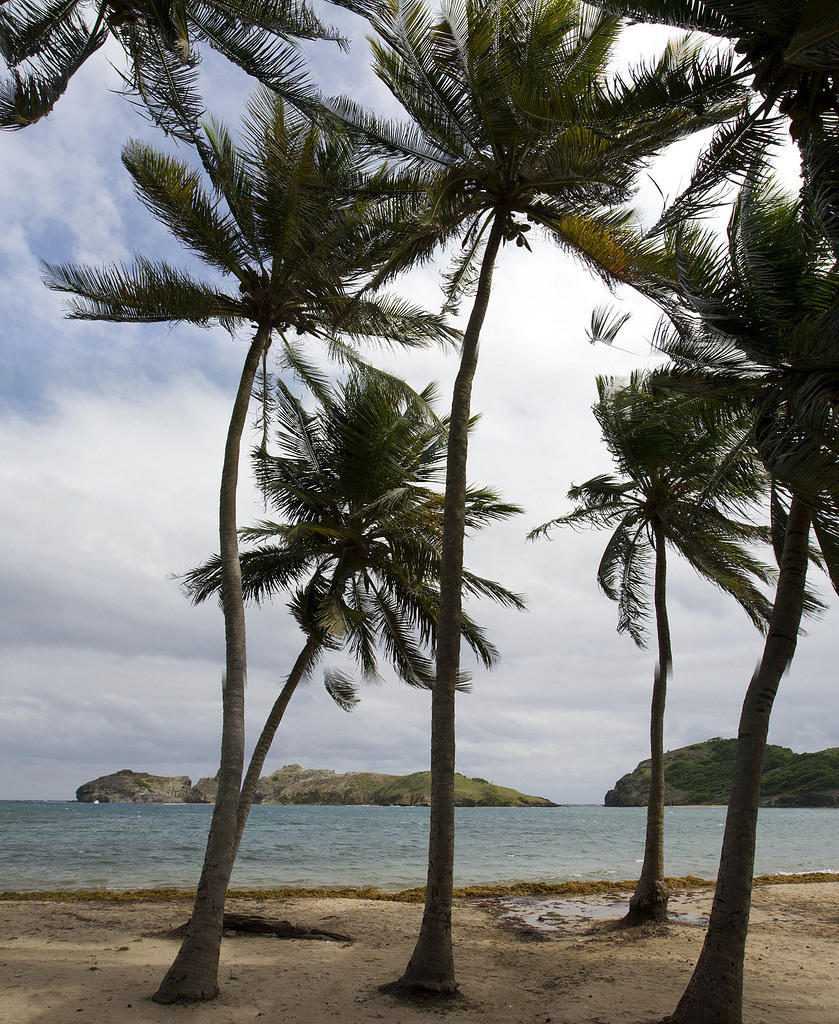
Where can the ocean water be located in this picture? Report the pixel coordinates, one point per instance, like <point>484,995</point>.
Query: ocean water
<point>127,846</point>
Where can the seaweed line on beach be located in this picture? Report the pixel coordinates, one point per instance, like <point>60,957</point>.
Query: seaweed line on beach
<point>416,895</point>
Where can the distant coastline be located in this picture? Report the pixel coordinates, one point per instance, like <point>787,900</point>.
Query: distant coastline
<point>295,785</point>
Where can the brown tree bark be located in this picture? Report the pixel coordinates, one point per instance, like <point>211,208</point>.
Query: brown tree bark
<point>194,974</point>
<point>649,901</point>
<point>269,731</point>
<point>715,992</point>
<point>431,967</point>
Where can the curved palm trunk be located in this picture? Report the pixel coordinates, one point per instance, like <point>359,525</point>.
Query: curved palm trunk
<point>194,974</point>
<point>431,967</point>
<point>715,992</point>
<point>649,901</point>
<point>269,731</point>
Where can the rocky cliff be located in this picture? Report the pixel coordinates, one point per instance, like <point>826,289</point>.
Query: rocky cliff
<point>701,774</point>
<point>127,787</point>
<point>295,785</point>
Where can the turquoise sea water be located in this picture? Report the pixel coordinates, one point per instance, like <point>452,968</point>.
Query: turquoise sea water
<point>126,846</point>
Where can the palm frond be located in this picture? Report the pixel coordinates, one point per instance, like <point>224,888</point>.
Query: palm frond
<point>738,149</point>
<point>756,329</point>
<point>163,79</point>
<point>606,324</point>
<point>686,14</point>
<point>633,607</point>
<point>59,40</point>
<point>484,505</point>
<point>172,191</point>
<point>144,292</point>
<point>342,689</point>
<point>820,168</point>
<point>483,649</point>
<point>815,43</point>
<point>394,320</point>
<point>613,250</point>
<point>826,529</point>
<point>47,31</point>
<point>479,586</point>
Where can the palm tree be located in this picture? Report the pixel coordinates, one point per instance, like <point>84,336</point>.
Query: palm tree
<point>680,479</point>
<point>280,226</point>
<point>759,332</point>
<point>516,121</point>
<point>790,49</point>
<point>358,541</point>
<point>45,43</point>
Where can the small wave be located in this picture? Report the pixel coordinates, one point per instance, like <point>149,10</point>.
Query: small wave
<point>814,871</point>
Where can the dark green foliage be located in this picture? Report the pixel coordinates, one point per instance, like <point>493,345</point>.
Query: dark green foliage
<point>679,469</point>
<point>701,774</point>
<point>789,47</point>
<point>757,332</point>
<point>516,114</point>
<point>44,43</point>
<point>806,773</point>
<point>704,771</point>
<point>356,541</point>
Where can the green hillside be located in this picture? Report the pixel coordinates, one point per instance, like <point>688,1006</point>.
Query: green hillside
<point>468,792</point>
<point>293,784</point>
<point>701,774</point>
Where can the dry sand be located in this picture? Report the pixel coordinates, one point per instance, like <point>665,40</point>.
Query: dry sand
<point>97,962</point>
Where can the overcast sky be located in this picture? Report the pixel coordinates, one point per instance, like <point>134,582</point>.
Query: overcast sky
<point>112,439</point>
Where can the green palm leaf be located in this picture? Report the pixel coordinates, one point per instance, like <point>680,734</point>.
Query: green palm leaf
<point>341,689</point>
<point>172,191</point>
<point>686,471</point>
<point>145,292</point>
<point>64,43</point>
<point>44,42</point>
<point>361,521</point>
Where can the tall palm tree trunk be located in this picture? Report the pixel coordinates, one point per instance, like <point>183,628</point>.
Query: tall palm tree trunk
<point>715,992</point>
<point>194,974</point>
<point>649,901</point>
<point>431,967</point>
<point>269,731</point>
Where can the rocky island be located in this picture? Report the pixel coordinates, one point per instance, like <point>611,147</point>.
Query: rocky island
<point>295,785</point>
<point>701,774</point>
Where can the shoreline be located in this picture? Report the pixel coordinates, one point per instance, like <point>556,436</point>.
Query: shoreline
<point>414,895</point>
<point>99,960</point>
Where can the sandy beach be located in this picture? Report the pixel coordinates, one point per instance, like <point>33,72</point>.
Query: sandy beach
<point>72,961</point>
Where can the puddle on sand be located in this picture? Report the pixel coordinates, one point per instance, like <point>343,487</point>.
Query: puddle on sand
<point>552,915</point>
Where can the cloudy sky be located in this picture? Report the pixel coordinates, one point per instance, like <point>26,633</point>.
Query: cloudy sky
<point>112,437</point>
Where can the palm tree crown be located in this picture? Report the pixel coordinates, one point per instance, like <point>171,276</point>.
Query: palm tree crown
<point>45,43</point>
<point>680,473</point>
<point>361,526</point>
<point>279,219</point>
<point>516,115</point>
<point>682,477</point>
<point>358,549</point>
<point>758,330</point>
